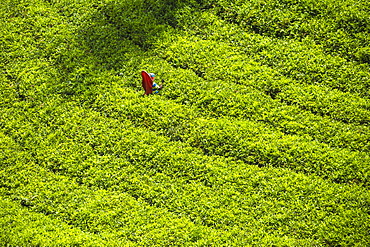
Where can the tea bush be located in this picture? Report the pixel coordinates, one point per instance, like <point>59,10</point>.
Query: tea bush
<point>128,185</point>
<point>341,27</point>
<point>340,106</point>
<point>304,61</point>
<point>286,117</point>
<point>21,227</point>
<point>253,140</point>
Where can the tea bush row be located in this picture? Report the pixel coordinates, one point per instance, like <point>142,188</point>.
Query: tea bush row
<point>216,61</point>
<point>303,61</point>
<point>104,218</point>
<point>341,27</point>
<point>218,98</point>
<point>21,227</point>
<point>84,155</point>
<point>87,163</point>
<point>205,102</point>
<point>245,140</point>
<point>339,106</point>
<point>239,99</point>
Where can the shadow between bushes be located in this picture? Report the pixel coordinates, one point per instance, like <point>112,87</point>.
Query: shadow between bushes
<point>118,28</point>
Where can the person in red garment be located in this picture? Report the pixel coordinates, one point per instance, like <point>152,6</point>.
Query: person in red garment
<point>148,83</point>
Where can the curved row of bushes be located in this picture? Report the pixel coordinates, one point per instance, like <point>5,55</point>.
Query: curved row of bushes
<point>250,141</point>
<point>341,27</point>
<point>339,106</point>
<point>125,184</point>
<point>218,61</point>
<point>222,94</point>
<point>303,61</point>
<point>19,226</point>
<point>87,161</point>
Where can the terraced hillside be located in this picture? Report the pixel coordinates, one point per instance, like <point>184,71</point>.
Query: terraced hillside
<point>260,137</point>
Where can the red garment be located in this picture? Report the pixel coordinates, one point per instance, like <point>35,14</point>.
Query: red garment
<point>147,82</point>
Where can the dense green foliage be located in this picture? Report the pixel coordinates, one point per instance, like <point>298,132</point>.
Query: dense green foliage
<point>260,136</point>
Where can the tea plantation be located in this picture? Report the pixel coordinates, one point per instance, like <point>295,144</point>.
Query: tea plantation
<point>260,136</point>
